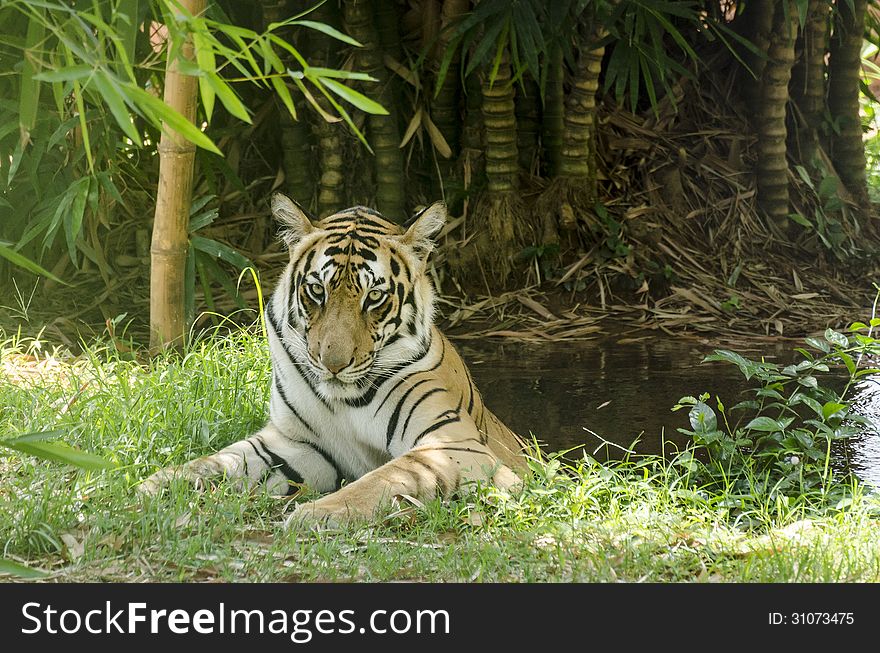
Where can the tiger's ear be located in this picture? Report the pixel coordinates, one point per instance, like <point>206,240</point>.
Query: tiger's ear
<point>293,218</point>
<point>422,227</point>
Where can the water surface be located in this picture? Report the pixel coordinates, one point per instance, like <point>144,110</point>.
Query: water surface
<point>589,393</point>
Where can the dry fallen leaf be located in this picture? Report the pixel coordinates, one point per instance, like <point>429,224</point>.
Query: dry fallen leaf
<point>73,548</point>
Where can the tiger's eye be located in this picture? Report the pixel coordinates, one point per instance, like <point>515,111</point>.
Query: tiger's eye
<point>376,295</point>
<point>316,289</point>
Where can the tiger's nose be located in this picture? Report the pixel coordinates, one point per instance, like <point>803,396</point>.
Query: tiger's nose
<point>334,359</point>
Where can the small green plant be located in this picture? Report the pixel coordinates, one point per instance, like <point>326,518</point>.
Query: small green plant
<point>610,231</point>
<point>544,259</point>
<point>825,222</point>
<point>781,441</point>
<point>45,445</point>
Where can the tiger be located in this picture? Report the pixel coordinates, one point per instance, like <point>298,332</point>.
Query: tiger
<point>369,400</point>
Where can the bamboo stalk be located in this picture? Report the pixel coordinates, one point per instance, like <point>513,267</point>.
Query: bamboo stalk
<point>772,167</point>
<point>554,110</point>
<point>844,69</point>
<point>170,240</point>
<point>808,76</point>
<point>327,136</point>
<point>499,121</point>
<point>382,131</point>
<point>579,126</point>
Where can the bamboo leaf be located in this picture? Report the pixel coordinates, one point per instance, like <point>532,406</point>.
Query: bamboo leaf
<point>437,138</point>
<point>23,262</point>
<point>159,111</point>
<point>12,568</point>
<point>359,100</point>
<point>207,64</point>
<point>315,71</point>
<point>329,31</point>
<point>127,26</point>
<point>412,127</point>
<point>73,219</point>
<point>219,250</point>
<point>66,74</point>
<point>328,117</point>
<point>284,93</point>
<point>228,97</point>
<point>115,100</point>
<point>60,452</point>
<point>29,96</point>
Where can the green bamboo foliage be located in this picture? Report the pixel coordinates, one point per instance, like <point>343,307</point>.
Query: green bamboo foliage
<point>296,142</point>
<point>844,68</point>
<point>772,166</point>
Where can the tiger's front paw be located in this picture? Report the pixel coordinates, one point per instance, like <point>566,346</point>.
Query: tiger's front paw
<point>155,483</point>
<point>328,512</point>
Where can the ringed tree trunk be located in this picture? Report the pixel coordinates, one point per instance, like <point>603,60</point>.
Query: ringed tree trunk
<point>844,68</point>
<point>170,240</point>
<point>328,136</point>
<point>445,106</point>
<point>572,190</point>
<point>382,131</point>
<point>772,165</point>
<point>578,158</point>
<point>808,78</point>
<point>499,213</point>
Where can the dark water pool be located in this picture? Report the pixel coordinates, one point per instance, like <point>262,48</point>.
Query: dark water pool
<point>621,390</point>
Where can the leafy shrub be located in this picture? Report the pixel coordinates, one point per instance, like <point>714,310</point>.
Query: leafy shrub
<point>780,443</point>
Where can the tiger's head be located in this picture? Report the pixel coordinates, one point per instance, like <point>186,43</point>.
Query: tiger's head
<point>358,301</point>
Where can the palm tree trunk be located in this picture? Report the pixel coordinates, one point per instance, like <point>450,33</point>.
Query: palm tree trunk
<point>772,166</point>
<point>579,128</point>
<point>499,123</point>
<point>170,240</point>
<point>808,77</point>
<point>572,191</point>
<point>382,131</point>
<point>844,67</point>
<point>500,213</point>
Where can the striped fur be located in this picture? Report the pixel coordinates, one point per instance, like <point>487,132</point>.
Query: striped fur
<point>369,400</point>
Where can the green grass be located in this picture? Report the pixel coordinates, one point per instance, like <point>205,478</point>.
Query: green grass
<point>580,521</point>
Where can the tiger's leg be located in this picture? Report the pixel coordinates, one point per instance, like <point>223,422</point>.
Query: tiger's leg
<point>439,467</point>
<point>267,458</point>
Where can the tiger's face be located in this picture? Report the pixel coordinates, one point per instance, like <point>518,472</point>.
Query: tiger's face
<point>358,300</point>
